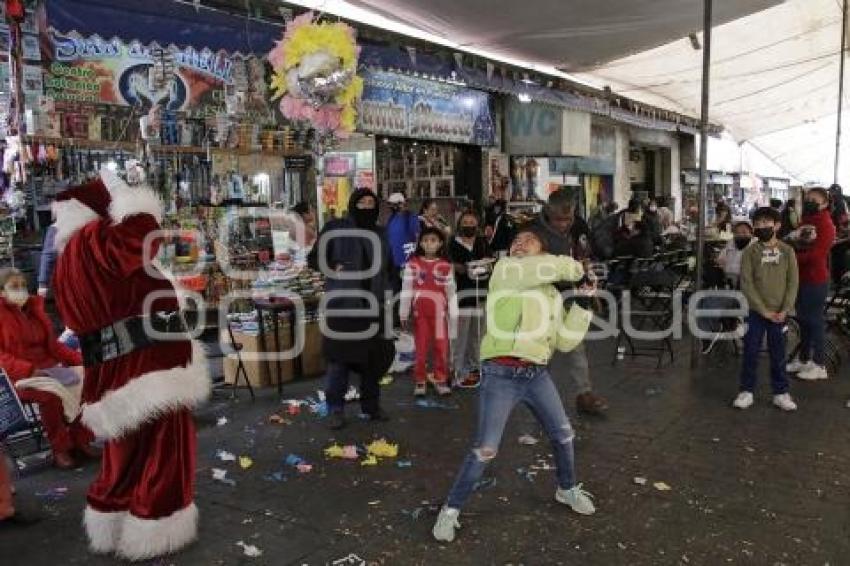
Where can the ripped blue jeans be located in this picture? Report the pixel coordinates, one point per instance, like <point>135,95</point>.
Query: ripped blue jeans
<point>502,388</point>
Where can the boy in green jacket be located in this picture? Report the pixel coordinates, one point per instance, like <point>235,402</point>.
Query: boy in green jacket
<point>769,282</point>
<point>526,322</point>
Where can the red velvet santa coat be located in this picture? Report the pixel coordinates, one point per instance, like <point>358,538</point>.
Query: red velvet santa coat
<point>102,277</point>
<point>103,280</point>
<point>16,326</point>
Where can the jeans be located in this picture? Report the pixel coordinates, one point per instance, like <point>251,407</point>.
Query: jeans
<point>757,327</point>
<point>337,385</point>
<point>466,346</point>
<point>502,387</point>
<point>811,300</point>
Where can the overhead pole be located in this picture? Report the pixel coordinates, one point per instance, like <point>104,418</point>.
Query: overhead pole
<point>840,90</point>
<point>703,158</point>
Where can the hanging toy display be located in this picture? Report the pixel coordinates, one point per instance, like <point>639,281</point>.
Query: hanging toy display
<point>315,73</point>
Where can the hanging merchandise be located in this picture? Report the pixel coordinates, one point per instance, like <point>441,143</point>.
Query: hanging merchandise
<point>315,66</point>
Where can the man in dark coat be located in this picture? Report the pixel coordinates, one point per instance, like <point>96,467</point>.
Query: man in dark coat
<point>557,221</point>
<point>353,254</point>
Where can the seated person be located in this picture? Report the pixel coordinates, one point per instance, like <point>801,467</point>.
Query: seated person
<point>729,261</point>
<point>30,353</point>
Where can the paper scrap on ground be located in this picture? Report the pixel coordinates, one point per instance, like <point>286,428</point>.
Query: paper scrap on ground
<point>221,476</point>
<point>369,460</point>
<point>345,452</point>
<point>387,380</point>
<point>250,550</point>
<point>431,404</point>
<point>485,483</point>
<point>404,464</point>
<point>245,462</point>
<point>640,481</point>
<point>277,419</point>
<point>221,421</point>
<point>225,456</point>
<point>352,394</point>
<point>383,449</point>
<point>527,440</point>
<point>661,486</point>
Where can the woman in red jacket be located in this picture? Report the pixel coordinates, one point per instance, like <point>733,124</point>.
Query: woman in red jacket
<point>28,346</point>
<point>813,261</point>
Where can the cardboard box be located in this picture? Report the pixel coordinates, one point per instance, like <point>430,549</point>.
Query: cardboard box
<point>261,373</point>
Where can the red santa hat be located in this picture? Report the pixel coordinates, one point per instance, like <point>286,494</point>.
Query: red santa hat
<point>107,197</point>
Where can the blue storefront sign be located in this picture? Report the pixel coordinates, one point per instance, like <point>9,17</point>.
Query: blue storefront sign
<point>398,105</point>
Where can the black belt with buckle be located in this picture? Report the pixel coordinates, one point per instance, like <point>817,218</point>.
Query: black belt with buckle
<point>132,334</point>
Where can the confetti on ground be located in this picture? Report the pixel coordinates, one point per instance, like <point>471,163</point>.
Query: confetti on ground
<point>382,449</point>
<point>387,380</point>
<point>640,481</point>
<point>661,486</point>
<point>527,440</point>
<point>225,456</point>
<point>345,452</point>
<point>276,477</point>
<point>369,460</point>
<point>404,464</point>
<point>352,394</point>
<point>245,462</point>
<point>431,404</point>
<point>304,468</point>
<point>250,550</point>
<point>277,419</point>
<point>53,494</point>
<point>221,421</point>
<point>220,475</point>
<point>375,502</point>
<point>485,483</point>
<point>527,474</point>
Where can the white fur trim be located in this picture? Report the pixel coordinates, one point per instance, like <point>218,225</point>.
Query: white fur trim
<point>149,396</point>
<point>71,217</point>
<point>128,201</point>
<point>103,529</point>
<point>142,539</point>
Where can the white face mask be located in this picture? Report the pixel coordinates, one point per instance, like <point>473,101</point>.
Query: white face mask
<point>16,296</point>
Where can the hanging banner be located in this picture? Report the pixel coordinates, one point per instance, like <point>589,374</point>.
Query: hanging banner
<point>398,105</point>
<point>199,82</point>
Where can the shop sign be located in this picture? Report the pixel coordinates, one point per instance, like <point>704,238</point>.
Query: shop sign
<point>540,129</point>
<point>398,105</point>
<point>197,81</point>
<point>339,165</point>
<point>580,166</point>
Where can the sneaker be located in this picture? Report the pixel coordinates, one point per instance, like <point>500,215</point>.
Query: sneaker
<point>420,389</point>
<point>444,528</point>
<point>744,400</point>
<point>471,381</point>
<point>784,402</point>
<point>442,388</point>
<point>796,366</point>
<point>813,373</point>
<point>578,499</point>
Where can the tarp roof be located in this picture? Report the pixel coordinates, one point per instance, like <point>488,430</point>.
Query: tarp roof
<point>774,63</point>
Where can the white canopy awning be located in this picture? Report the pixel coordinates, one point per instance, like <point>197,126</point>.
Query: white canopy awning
<point>774,63</point>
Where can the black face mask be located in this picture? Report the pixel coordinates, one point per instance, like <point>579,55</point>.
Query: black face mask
<point>810,207</point>
<point>764,234</point>
<point>366,218</point>
<point>468,231</point>
<point>742,242</point>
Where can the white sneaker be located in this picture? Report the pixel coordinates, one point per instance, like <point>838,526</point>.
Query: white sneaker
<point>577,498</point>
<point>813,373</point>
<point>796,366</point>
<point>444,528</point>
<point>785,402</point>
<point>744,400</point>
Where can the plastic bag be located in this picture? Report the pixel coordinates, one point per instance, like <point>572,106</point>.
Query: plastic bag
<point>404,353</point>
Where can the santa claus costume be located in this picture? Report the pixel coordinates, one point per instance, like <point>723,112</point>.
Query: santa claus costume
<point>139,390</point>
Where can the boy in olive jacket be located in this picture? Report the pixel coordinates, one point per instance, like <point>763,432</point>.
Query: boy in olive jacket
<point>526,322</point>
<point>769,282</point>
